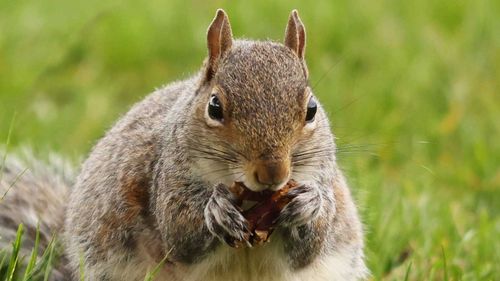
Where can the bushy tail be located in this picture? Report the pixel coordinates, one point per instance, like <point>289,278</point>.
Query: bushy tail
<point>33,192</point>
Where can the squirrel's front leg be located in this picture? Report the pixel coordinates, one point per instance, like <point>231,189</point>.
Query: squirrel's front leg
<point>304,222</point>
<point>193,218</point>
<point>224,219</point>
<point>180,217</point>
<point>305,205</point>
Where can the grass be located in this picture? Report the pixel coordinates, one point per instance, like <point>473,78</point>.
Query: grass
<point>35,268</point>
<point>413,90</point>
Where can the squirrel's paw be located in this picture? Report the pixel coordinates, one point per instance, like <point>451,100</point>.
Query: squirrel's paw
<point>224,219</point>
<point>305,206</point>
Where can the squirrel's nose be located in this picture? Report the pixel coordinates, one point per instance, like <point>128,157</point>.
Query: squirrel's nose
<point>271,172</point>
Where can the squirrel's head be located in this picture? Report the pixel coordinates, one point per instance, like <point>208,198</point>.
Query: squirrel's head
<point>257,119</point>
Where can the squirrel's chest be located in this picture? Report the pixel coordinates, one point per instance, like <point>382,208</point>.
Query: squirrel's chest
<point>265,262</point>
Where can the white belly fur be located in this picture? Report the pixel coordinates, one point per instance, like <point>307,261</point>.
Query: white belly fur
<point>268,263</point>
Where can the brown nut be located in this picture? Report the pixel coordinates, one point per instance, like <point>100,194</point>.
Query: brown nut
<point>261,217</point>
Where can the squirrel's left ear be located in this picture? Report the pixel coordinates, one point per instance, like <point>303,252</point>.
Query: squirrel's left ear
<point>295,35</point>
<point>219,41</point>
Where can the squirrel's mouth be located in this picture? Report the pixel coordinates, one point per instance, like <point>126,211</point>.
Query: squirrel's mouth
<point>253,185</point>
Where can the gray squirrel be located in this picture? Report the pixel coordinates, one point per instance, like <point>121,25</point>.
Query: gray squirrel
<point>155,187</point>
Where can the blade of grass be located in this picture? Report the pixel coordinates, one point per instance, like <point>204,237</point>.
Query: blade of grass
<point>45,261</point>
<point>48,267</point>
<point>16,246</point>
<point>82,269</point>
<point>3,254</point>
<point>407,274</point>
<point>445,267</point>
<point>152,274</point>
<point>7,142</point>
<point>34,255</point>
<point>13,183</point>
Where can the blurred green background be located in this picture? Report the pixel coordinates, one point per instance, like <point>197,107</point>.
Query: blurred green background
<point>412,87</point>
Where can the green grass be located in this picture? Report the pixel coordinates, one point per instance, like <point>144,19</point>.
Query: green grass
<point>14,266</point>
<point>413,88</point>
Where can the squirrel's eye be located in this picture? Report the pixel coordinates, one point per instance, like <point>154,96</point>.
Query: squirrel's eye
<point>312,107</point>
<point>215,108</point>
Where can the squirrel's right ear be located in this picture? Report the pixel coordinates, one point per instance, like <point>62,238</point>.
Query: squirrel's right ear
<point>295,35</point>
<point>219,41</point>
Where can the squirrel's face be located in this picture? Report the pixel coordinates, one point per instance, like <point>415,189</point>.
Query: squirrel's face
<point>257,113</point>
<point>261,104</point>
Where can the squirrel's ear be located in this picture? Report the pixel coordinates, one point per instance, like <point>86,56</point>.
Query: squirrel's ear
<point>219,41</point>
<point>295,34</point>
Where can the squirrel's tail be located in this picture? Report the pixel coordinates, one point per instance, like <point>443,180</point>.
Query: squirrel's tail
<point>34,193</point>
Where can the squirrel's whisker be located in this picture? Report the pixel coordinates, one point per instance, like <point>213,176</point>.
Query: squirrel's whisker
<point>216,171</point>
<point>216,155</point>
<point>220,151</point>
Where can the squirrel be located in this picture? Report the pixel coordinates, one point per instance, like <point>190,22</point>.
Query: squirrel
<point>155,188</point>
